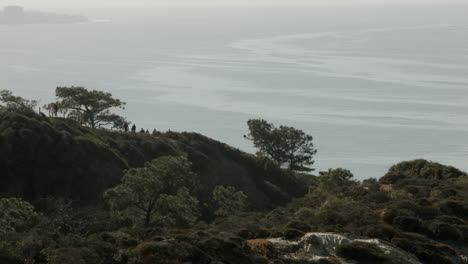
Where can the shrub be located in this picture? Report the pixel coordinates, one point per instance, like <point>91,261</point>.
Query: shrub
<point>262,247</point>
<point>289,233</point>
<point>163,250</point>
<point>378,197</point>
<point>301,226</point>
<point>117,238</point>
<point>422,169</point>
<point>71,255</point>
<point>427,251</point>
<point>160,188</point>
<point>181,209</point>
<point>335,178</point>
<point>304,214</point>
<point>16,215</point>
<point>361,252</point>
<point>380,231</point>
<point>409,224</point>
<point>454,208</point>
<point>443,193</point>
<point>444,231</point>
<point>7,258</point>
<point>229,201</point>
<point>254,233</point>
<point>464,231</point>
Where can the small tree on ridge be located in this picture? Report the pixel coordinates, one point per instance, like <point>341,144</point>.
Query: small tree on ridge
<point>90,107</point>
<point>11,101</point>
<point>287,146</point>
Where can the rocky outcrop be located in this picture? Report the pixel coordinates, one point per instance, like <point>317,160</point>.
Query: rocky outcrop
<point>333,248</point>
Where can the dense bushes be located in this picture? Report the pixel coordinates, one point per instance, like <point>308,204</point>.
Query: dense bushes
<point>417,224</point>
<point>16,215</point>
<point>363,253</point>
<point>407,211</point>
<point>158,192</point>
<point>420,169</point>
<point>37,159</point>
<point>42,157</point>
<point>229,201</point>
<point>209,199</point>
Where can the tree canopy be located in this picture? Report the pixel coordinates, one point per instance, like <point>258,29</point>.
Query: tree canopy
<point>335,178</point>
<point>229,201</point>
<point>160,188</point>
<point>16,102</point>
<point>287,146</point>
<point>90,107</point>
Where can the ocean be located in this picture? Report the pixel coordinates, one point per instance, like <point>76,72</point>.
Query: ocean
<point>374,85</point>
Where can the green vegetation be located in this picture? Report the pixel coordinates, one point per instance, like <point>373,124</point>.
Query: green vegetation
<point>16,215</point>
<point>287,146</point>
<point>229,201</point>
<point>15,102</point>
<point>420,169</point>
<point>334,179</point>
<point>160,188</point>
<point>41,157</point>
<point>73,194</point>
<point>90,107</point>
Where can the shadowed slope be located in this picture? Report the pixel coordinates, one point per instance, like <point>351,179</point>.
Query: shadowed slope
<point>41,156</point>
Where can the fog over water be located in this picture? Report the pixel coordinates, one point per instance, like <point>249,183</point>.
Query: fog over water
<point>373,85</point>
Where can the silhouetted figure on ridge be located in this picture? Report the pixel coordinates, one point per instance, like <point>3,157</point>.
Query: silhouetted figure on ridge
<point>133,128</point>
<point>53,110</point>
<point>125,127</point>
<point>142,131</point>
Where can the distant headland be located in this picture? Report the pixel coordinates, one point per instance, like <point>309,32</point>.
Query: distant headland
<point>18,15</point>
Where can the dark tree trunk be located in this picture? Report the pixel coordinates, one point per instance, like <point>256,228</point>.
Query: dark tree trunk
<point>147,218</point>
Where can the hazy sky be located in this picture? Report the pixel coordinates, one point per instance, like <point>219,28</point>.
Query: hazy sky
<point>147,3</point>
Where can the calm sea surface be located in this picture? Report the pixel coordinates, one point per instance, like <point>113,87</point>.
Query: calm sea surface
<point>374,85</point>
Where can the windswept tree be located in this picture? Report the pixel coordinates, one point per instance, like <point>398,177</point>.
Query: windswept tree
<point>16,102</point>
<point>287,146</point>
<point>90,107</point>
<point>159,190</point>
<point>115,121</point>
